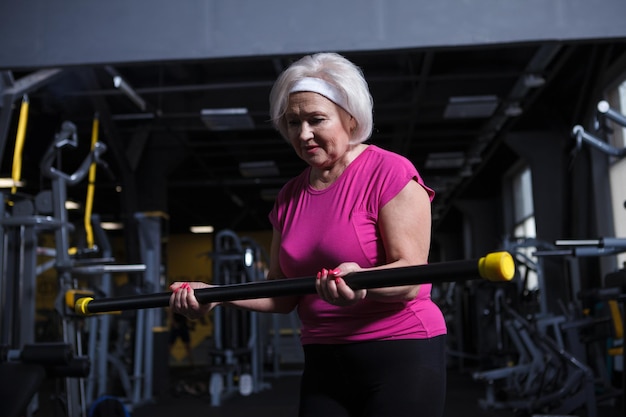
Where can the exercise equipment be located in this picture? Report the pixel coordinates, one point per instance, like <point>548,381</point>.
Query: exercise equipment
<point>496,267</point>
<point>16,171</point>
<point>91,186</point>
<point>22,371</point>
<point>613,292</point>
<point>237,354</point>
<point>237,350</point>
<point>604,113</point>
<point>19,228</point>
<point>560,363</point>
<point>546,378</point>
<point>603,246</point>
<point>122,346</point>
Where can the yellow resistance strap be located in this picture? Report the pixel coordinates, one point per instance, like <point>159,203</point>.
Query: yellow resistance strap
<point>19,145</point>
<point>91,185</point>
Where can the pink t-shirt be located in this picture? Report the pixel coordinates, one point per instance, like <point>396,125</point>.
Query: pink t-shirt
<point>323,228</point>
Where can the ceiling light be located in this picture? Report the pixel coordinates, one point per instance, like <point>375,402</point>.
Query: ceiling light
<point>257,169</point>
<point>467,107</point>
<point>202,229</point>
<point>534,81</point>
<point>10,183</point>
<point>72,205</point>
<point>513,110</point>
<point>444,160</point>
<point>227,119</point>
<point>133,116</point>
<point>112,225</point>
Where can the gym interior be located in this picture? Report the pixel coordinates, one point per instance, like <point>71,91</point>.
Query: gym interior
<point>123,125</point>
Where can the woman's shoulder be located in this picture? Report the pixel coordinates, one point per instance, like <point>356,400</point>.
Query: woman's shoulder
<point>398,167</point>
<point>384,158</point>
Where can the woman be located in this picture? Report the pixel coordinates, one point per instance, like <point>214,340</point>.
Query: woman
<point>376,352</point>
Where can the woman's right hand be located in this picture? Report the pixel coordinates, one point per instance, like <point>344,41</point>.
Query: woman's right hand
<point>332,288</point>
<point>183,300</point>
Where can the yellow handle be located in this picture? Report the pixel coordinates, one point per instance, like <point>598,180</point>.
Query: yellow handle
<point>497,267</point>
<point>91,186</point>
<point>80,307</point>
<point>16,173</point>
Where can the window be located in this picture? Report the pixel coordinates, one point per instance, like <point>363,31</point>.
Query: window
<point>524,222</point>
<point>617,173</point>
<point>616,98</point>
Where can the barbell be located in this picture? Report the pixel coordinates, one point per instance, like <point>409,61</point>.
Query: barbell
<point>494,267</point>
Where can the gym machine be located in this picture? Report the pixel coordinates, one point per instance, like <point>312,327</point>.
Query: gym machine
<point>20,225</point>
<point>545,377</point>
<point>237,351</point>
<point>22,371</point>
<point>612,292</point>
<point>551,380</point>
<point>555,365</point>
<point>19,228</point>
<point>111,355</point>
<point>476,333</point>
<point>567,347</point>
<point>605,116</point>
<point>604,113</point>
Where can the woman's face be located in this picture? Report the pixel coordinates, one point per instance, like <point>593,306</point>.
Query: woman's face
<point>318,129</point>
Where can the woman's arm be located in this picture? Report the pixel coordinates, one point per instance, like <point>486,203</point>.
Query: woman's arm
<point>275,304</point>
<point>183,300</point>
<point>405,226</point>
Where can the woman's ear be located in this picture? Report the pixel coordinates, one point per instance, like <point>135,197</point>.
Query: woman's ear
<point>353,124</point>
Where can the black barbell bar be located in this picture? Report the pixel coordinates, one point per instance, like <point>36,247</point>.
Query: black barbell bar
<point>495,267</point>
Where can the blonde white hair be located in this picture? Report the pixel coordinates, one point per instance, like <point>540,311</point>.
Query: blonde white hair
<point>336,70</point>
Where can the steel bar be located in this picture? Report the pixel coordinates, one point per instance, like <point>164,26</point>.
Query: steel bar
<point>101,269</point>
<point>496,267</point>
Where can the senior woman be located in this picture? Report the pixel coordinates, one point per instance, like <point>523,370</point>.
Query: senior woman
<point>376,352</point>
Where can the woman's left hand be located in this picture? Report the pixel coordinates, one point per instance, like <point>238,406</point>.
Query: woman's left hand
<point>183,300</point>
<point>333,289</point>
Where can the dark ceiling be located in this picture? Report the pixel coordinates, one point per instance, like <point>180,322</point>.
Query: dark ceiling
<point>445,109</point>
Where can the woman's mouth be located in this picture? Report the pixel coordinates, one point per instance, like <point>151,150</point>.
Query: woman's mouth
<point>310,149</point>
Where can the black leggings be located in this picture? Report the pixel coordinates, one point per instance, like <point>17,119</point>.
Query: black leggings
<point>379,378</point>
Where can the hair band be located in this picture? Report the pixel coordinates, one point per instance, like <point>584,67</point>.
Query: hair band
<point>319,86</point>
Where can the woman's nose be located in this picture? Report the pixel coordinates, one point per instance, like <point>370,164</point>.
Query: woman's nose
<point>306,132</point>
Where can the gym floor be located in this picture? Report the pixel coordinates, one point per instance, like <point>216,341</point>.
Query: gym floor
<point>281,399</point>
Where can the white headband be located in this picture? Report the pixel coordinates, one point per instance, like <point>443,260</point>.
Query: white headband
<point>319,86</point>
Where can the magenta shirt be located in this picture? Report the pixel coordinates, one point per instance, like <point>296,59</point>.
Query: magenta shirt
<point>323,228</point>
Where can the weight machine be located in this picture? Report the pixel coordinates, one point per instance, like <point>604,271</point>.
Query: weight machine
<point>22,220</point>
<point>22,371</point>
<point>237,352</point>
<point>538,373</point>
<point>568,348</point>
<point>605,116</point>
<point>19,228</point>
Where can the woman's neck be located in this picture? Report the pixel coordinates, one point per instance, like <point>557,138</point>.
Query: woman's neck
<point>322,178</point>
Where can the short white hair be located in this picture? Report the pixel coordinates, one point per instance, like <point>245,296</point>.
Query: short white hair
<point>336,70</point>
